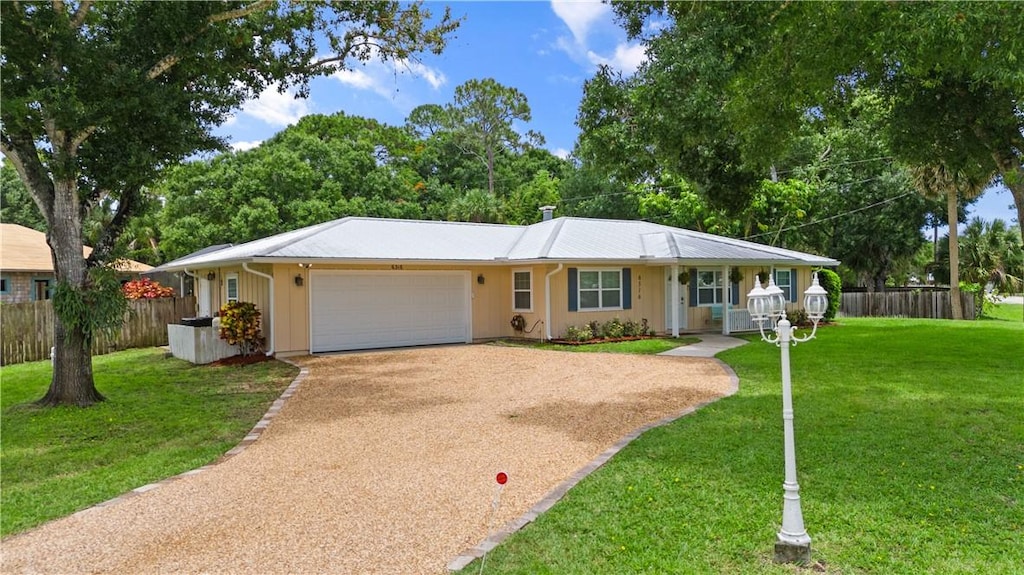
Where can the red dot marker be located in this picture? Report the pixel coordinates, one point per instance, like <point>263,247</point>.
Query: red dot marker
<point>502,478</point>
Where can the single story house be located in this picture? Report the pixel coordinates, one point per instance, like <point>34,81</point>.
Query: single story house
<point>364,283</point>
<point>26,265</point>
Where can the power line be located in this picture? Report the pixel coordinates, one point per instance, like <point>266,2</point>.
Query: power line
<point>829,218</point>
<point>830,164</point>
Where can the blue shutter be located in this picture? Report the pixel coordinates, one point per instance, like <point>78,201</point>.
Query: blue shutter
<point>627,288</point>
<point>734,293</point>
<point>792,285</point>
<point>573,290</point>
<point>693,287</point>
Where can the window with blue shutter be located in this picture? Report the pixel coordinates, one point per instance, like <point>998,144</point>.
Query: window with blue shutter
<point>598,289</point>
<point>786,280</point>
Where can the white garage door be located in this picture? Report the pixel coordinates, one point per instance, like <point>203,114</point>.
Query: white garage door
<point>367,310</point>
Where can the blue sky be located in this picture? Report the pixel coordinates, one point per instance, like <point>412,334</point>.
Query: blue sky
<point>546,50</point>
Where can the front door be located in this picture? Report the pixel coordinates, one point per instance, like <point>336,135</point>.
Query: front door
<point>205,297</point>
<point>683,291</point>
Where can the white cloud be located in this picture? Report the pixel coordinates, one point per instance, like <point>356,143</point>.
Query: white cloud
<point>276,108</point>
<point>627,58</point>
<point>579,16</point>
<point>381,77</point>
<point>243,146</point>
<point>561,153</point>
<point>356,78</point>
<point>435,78</point>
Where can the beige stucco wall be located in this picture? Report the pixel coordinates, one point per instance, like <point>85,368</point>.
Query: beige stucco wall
<point>491,301</point>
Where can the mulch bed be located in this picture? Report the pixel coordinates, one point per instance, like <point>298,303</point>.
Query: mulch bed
<point>242,360</point>
<point>599,340</point>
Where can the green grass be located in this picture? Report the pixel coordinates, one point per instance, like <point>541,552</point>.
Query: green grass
<point>651,346</point>
<point>910,442</point>
<point>162,417</point>
<point>1006,312</point>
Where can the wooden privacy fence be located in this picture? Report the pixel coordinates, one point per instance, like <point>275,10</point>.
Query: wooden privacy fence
<point>923,304</point>
<point>26,329</point>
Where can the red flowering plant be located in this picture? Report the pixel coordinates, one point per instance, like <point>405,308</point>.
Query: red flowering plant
<point>145,288</point>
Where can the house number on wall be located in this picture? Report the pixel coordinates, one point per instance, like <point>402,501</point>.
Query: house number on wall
<point>396,266</point>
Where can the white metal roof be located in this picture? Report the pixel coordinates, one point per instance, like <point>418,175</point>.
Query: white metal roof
<point>357,240</point>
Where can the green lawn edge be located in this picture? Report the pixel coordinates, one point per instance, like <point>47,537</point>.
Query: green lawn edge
<point>163,416</point>
<point>910,452</point>
<point>646,346</point>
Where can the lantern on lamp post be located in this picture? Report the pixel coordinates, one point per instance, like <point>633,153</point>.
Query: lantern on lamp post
<point>792,545</point>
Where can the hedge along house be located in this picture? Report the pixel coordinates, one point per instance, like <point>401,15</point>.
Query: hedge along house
<point>364,283</point>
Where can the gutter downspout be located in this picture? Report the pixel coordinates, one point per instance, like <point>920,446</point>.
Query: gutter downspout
<point>547,300</point>
<point>270,279</point>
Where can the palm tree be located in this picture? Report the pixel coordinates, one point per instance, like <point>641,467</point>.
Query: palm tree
<point>938,180</point>
<point>991,254</point>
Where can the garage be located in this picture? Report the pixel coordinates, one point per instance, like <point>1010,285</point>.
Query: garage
<point>366,310</point>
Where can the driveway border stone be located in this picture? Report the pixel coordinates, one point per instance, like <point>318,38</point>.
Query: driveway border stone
<point>556,494</point>
<point>248,440</point>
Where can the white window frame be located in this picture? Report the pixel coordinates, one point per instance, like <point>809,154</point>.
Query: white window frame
<point>600,289</point>
<point>716,289</point>
<point>787,288</point>
<point>227,287</point>
<point>528,290</point>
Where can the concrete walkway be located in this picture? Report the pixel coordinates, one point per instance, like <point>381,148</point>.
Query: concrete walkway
<point>709,346</point>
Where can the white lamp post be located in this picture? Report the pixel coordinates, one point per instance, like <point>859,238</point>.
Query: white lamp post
<point>793,544</point>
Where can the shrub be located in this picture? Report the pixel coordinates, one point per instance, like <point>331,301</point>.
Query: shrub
<point>145,288</point>
<point>240,325</point>
<point>632,329</point>
<point>612,329</point>
<point>982,304</point>
<point>798,317</point>
<point>829,280</point>
<point>574,333</point>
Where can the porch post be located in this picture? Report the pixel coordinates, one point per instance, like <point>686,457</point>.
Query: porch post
<point>726,299</point>
<point>675,300</point>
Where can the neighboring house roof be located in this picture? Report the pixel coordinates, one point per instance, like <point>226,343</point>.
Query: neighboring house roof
<point>356,240</point>
<point>202,252</point>
<point>25,250</point>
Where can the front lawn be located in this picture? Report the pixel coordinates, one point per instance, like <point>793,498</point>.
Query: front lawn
<point>910,442</point>
<point>648,346</point>
<point>162,417</point>
<point>1006,312</point>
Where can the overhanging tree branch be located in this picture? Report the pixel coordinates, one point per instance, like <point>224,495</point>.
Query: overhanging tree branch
<point>80,14</point>
<point>170,60</point>
<point>21,151</point>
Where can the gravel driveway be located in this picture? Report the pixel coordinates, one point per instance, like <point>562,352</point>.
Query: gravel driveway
<point>381,463</point>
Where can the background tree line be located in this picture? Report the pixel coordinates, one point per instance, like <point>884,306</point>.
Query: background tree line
<point>838,190</point>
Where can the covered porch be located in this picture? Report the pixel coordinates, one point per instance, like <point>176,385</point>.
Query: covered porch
<point>711,297</point>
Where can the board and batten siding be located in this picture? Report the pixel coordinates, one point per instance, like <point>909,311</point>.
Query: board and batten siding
<point>647,298</point>
<point>491,301</point>
<point>251,288</point>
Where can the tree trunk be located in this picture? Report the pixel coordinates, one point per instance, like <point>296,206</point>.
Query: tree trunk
<point>954,256</point>
<point>72,382</point>
<point>1017,190</point>
<point>490,170</point>
<point>1012,171</point>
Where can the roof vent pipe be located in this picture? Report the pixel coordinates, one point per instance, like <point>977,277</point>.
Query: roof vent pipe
<point>548,211</point>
